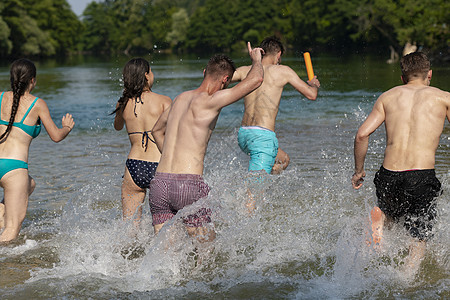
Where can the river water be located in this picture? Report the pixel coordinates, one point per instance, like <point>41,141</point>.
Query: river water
<point>306,239</point>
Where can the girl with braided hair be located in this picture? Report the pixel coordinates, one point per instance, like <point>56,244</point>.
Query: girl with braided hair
<point>15,140</point>
<point>138,109</point>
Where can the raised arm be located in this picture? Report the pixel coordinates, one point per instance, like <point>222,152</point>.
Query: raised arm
<point>251,82</point>
<point>309,89</point>
<point>55,133</point>
<point>240,73</point>
<point>373,121</point>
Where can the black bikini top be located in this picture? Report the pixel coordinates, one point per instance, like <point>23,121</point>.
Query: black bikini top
<point>145,136</point>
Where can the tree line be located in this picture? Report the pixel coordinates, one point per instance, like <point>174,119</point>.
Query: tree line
<point>51,28</point>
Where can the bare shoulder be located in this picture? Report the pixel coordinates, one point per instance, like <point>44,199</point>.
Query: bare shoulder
<point>164,99</point>
<point>241,72</point>
<point>439,92</point>
<point>283,69</point>
<point>183,95</point>
<point>391,93</point>
<point>243,69</point>
<point>281,74</point>
<point>40,103</point>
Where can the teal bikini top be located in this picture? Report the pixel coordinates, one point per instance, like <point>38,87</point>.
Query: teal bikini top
<point>31,130</point>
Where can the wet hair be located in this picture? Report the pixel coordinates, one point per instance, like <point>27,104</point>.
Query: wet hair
<point>134,81</point>
<point>219,65</point>
<point>414,65</point>
<point>271,45</point>
<point>22,73</point>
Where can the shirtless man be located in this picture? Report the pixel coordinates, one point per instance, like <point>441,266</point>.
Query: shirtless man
<point>256,136</point>
<point>182,134</point>
<point>414,115</point>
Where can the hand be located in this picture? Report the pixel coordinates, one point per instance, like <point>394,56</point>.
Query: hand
<point>255,53</point>
<point>67,121</point>
<point>314,82</point>
<point>358,179</point>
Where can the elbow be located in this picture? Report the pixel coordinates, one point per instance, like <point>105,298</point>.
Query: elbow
<point>312,95</point>
<point>56,139</point>
<point>258,81</point>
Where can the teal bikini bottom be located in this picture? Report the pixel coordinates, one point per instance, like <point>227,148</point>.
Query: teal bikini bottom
<point>7,165</point>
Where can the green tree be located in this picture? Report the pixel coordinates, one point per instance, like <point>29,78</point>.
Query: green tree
<point>5,43</point>
<point>397,22</point>
<point>56,18</point>
<point>26,36</point>
<point>180,24</point>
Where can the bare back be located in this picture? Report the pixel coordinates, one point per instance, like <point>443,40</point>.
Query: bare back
<point>261,106</point>
<point>189,127</point>
<point>414,120</point>
<point>17,144</point>
<point>141,117</point>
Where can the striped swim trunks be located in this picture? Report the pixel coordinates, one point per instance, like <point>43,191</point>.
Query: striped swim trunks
<point>171,192</point>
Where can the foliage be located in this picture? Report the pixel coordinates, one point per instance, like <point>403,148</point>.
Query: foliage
<point>49,27</point>
<point>45,27</point>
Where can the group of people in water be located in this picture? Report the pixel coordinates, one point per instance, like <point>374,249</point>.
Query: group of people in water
<point>169,140</point>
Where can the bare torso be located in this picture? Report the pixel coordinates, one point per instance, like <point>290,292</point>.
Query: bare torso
<point>261,105</point>
<point>189,127</point>
<point>414,119</point>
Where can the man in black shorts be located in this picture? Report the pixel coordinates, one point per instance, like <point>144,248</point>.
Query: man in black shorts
<point>414,115</point>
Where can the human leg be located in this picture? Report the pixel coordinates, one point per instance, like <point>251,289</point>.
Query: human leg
<point>158,201</point>
<point>132,198</point>
<point>417,250</point>
<point>2,215</point>
<point>203,234</point>
<point>17,187</point>
<point>281,162</point>
<point>262,146</point>
<point>377,218</point>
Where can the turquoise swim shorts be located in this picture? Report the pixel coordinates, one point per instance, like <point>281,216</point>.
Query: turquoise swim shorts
<point>262,146</point>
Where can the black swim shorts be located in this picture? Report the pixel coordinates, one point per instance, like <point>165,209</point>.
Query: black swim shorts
<point>409,194</point>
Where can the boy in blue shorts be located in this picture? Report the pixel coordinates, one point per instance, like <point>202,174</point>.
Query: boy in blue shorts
<point>256,136</point>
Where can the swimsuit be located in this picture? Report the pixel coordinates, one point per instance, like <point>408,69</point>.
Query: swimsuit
<point>145,138</point>
<point>171,192</point>
<point>262,146</point>
<point>31,130</point>
<point>409,194</point>
<point>141,171</point>
<point>7,164</point>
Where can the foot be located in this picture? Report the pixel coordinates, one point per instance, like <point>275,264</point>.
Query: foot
<point>377,218</point>
<point>2,215</point>
<point>8,235</point>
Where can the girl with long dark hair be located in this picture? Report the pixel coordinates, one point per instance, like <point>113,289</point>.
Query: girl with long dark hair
<point>139,108</point>
<point>21,115</point>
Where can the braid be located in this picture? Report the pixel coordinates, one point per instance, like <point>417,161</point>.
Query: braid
<point>22,72</point>
<point>134,81</point>
<point>123,101</point>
